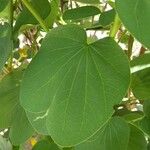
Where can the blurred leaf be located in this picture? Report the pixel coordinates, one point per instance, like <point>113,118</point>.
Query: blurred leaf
<point>140,68</point>
<point>5,44</point>
<point>145,125</point>
<point>107,18</point>
<point>12,115</point>
<point>137,140</point>
<point>5,144</point>
<point>41,6</point>
<point>45,145</point>
<point>146,107</point>
<point>3,4</point>
<point>89,1</point>
<point>135,14</point>
<point>80,13</point>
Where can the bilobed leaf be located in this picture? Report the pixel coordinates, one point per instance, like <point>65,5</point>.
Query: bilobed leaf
<point>41,6</point>
<point>77,83</point>
<point>38,121</point>
<point>140,68</point>
<point>12,115</point>
<point>5,44</point>
<point>113,136</point>
<point>137,140</point>
<point>80,13</point>
<point>3,4</point>
<point>135,15</point>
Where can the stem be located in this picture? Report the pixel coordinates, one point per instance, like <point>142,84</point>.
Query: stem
<point>35,14</point>
<point>130,45</point>
<point>11,15</point>
<point>115,27</point>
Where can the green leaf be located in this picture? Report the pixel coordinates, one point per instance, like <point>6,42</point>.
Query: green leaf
<point>145,125</point>
<point>76,83</point>
<point>107,18</point>
<point>38,121</point>
<point>146,107</point>
<point>3,4</point>
<point>5,144</point>
<point>12,115</point>
<point>89,1</point>
<point>5,44</point>
<point>41,6</point>
<point>135,15</point>
<point>137,140</point>
<point>9,95</point>
<point>113,136</point>
<point>45,145</point>
<point>53,14</point>
<point>140,68</point>
<point>20,129</point>
<point>80,13</point>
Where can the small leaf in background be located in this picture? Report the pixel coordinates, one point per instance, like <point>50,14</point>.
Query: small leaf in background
<point>11,114</point>
<point>21,129</point>
<point>43,7</point>
<point>145,125</point>
<point>140,68</point>
<point>107,18</point>
<point>137,139</point>
<point>80,13</point>
<point>135,15</point>
<point>88,1</point>
<point>5,44</point>
<point>3,4</point>
<point>45,145</point>
<point>146,107</point>
<point>74,83</point>
<point>113,136</point>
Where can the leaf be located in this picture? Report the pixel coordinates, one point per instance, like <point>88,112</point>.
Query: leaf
<point>5,44</point>
<point>135,15</point>
<point>81,12</point>
<point>41,6</point>
<point>89,1</point>
<point>9,89</point>
<point>113,136</point>
<point>12,115</point>
<point>3,4</point>
<point>76,83</point>
<point>38,121</point>
<point>4,144</point>
<point>145,125</point>
<point>137,140</point>
<point>140,68</point>
<point>20,129</point>
<point>45,145</point>
<point>107,17</point>
<point>53,14</point>
<point>146,107</point>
